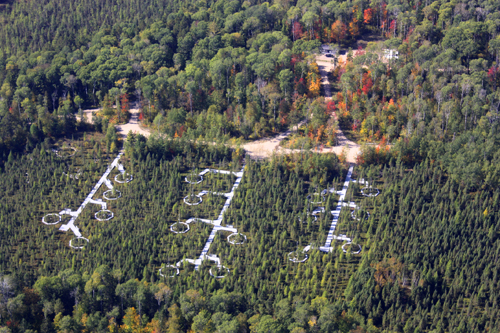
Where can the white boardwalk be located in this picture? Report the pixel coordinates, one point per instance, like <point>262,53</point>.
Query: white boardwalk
<point>89,199</point>
<point>217,222</point>
<point>336,213</point>
<point>74,215</point>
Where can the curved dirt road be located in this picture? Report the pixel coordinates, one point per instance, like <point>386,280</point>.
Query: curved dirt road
<point>266,147</point>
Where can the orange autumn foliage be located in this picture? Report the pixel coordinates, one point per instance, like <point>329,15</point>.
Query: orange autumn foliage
<point>367,82</point>
<point>314,80</point>
<point>353,27</point>
<point>132,323</point>
<point>338,31</point>
<point>388,270</point>
<point>330,107</point>
<point>314,87</point>
<point>124,102</point>
<point>320,133</point>
<point>367,15</point>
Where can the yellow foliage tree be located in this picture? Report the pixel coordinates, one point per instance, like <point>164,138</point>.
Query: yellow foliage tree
<point>364,129</point>
<point>320,133</point>
<point>112,326</point>
<point>131,321</point>
<point>174,322</point>
<point>314,80</point>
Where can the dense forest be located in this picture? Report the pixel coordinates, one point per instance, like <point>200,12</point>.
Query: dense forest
<point>430,245</point>
<point>207,76</point>
<point>245,69</point>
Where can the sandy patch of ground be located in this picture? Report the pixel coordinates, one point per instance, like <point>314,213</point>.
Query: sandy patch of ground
<point>352,148</point>
<point>122,130</point>
<point>132,125</point>
<point>87,114</point>
<point>264,148</point>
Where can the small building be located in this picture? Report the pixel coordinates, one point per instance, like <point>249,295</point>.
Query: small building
<point>326,49</point>
<point>391,54</point>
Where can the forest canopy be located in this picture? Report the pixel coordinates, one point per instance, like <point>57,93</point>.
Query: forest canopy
<point>235,69</point>
<point>417,84</point>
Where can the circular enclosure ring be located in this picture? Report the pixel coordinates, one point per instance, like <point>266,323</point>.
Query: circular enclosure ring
<point>315,214</point>
<point>370,194</point>
<point>293,259</point>
<point>353,215</point>
<point>219,276</point>
<point>106,219</point>
<point>309,197</point>
<point>187,181</point>
<point>57,152</point>
<point>75,176</point>
<point>345,251</point>
<point>305,220</point>
<point>109,191</point>
<point>127,180</point>
<point>193,204</point>
<point>171,266</point>
<point>51,223</point>
<point>77,247</point>
<point>236,243</point>
<point>179,232</point>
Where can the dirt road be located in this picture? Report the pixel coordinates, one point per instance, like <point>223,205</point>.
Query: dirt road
<point>266,147</point>
<point>132,125</point>
<point>263,148</point>
<point>325,65</point>
<point>87,114</point>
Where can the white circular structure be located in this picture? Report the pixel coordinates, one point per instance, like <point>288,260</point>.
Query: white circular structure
<point>51,223</point>
<point>354,215</point>
<point>105,195</point>
<point>169,266</point>
<point>315,214</point>
<point>77,247</point>
<point>219,276</point>
<point>111,215</point>
<point>58,155</point>
<point>234,242</point>
<point>308,214</point>
<point>192,204</point>
<point>309,197</point>
<point>179,232</point>
<point>365,189</point>
<point>73,176</point>
<point>353,252</point>
<point>128,178</point>
<point>294,259</point>
<point>197,182</point>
